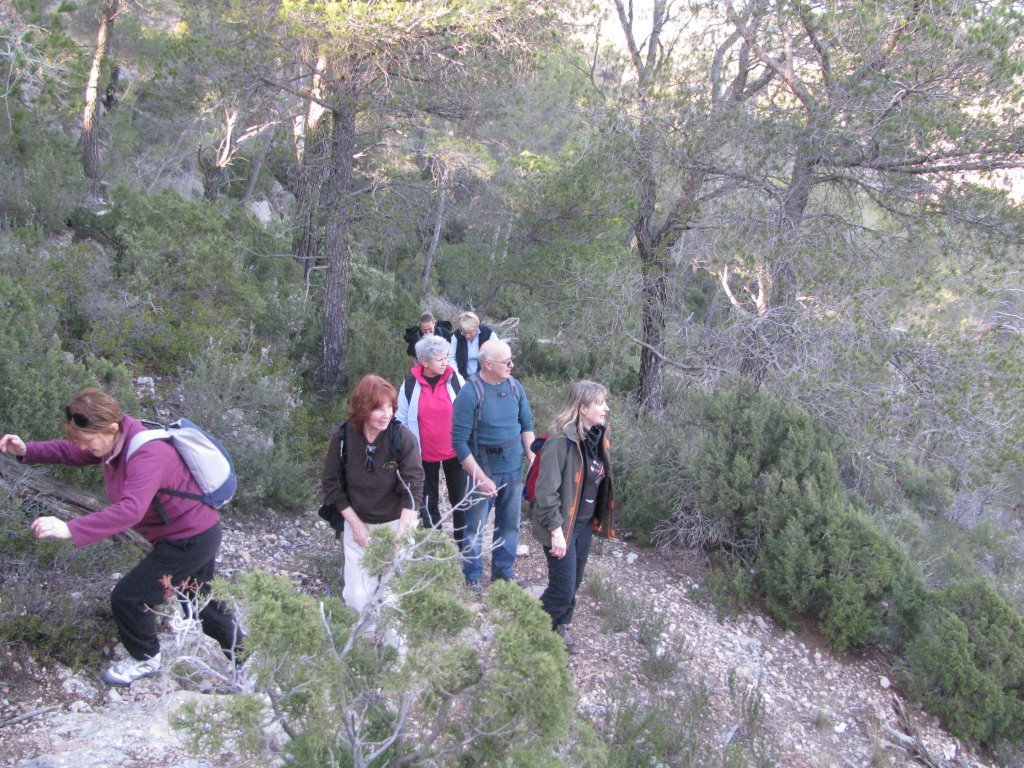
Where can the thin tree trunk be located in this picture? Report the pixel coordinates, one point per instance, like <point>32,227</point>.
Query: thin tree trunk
<point>91,112</point>
<point>312,147</point>
<point>428,259</point>
<point>338,205</point>
<point>782,287</point>
<point>650,395</point>
<point>267,141</point>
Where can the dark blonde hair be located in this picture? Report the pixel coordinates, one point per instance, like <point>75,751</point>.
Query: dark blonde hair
<point>368,394</point>
<point>583,393</point>
<point>98,408</point>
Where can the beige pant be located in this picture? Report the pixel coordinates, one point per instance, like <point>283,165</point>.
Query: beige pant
<point>359,585</point>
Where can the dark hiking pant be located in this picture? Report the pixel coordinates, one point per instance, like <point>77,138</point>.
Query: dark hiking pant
<point>566,574</point>
<point>455,479</point>
<point>190,562</point>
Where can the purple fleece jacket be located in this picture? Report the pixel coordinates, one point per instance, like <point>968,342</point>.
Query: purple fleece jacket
<point>131,487</point>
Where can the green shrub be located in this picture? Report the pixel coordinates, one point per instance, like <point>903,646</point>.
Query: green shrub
<point>181,268</point>
<point>966,664</point>
<point>41,179</point>
<point>768,492</point>
<point>36,378</point>
<point>236,395</point>
<point>654,475</point>
<point>616,610</point>
<point>927,490</point>
<point>495,686</point>
<point>56,597</point>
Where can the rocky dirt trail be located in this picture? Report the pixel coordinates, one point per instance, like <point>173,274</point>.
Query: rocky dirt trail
<point>814,708</point>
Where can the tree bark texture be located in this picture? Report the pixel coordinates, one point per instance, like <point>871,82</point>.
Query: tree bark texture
<point>91,112</point>
<point>312,150</point>
<point>428,259</point>
<point>337,203</point>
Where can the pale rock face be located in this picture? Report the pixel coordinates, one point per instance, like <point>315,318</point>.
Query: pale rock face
<point>261,211</point>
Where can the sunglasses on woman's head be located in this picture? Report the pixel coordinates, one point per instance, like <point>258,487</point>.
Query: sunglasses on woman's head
<point>80,419</point>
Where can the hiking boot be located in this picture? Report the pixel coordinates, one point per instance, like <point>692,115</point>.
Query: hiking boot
<point>514,578</point>
<point>474,586</point>
<point>127,671</point>
<point>562,630</point>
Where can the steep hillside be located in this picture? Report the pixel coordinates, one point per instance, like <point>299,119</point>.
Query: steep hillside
<point>794,701</point>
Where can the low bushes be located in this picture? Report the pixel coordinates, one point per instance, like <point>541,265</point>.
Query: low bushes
<point>966,663</point>
<point>765,490</point>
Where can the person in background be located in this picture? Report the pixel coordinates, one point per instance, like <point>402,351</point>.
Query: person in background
<point>464,351</point>
<point>425,407</point>
<point>185,533</point>
<point>573,498</point>
<point>490,436</point>
<point>426,326</point>
<point>376,485</point>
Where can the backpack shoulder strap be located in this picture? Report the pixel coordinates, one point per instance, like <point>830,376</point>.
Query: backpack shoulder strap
<point>395,439</point>
<point>516,388</point>
<point>410,385</point>
<point>343,442</point>
<point>146,436</point>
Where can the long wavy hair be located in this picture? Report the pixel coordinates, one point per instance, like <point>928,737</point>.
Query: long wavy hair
<point>582,394</point>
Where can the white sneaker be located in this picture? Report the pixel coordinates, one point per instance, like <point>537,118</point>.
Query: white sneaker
<point>127,671</point>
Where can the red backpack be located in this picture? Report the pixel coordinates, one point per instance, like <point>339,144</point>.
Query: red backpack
<point>530,483</point>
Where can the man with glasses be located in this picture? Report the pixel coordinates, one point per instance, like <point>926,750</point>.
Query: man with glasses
<point>492,428</point>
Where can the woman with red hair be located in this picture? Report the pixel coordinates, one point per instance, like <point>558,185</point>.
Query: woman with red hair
<point>374,480</point>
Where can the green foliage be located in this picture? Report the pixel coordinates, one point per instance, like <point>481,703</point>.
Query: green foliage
<point>729,587</point>
<point>653,462</point>
<point>183,268</point>
<point>967,663</point>
<point>927,490</point>
<point>672,730</point>
<point>56,597</point>
<point>430,606</point>
<point>36,378</point>
<point>379,312</point>
<point>771,489</point>
<point>235,393</point>
<point>664,653</point>
<point>32,156</point>
<point>616,610</point>
<point>532,668</point>
<point>496,686</point>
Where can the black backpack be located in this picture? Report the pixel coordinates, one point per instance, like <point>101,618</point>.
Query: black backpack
<point>410,385</point>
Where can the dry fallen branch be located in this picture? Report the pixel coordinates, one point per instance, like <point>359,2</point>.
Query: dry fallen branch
<point>59,499</point>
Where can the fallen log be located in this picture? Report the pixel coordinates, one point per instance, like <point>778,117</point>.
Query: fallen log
<point>33,485</point>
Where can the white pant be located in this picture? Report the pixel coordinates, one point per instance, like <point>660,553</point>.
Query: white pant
<point>359,585</point>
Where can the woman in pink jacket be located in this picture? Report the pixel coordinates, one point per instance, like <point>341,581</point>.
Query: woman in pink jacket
<point>425,407</point>
<point>185,533</point>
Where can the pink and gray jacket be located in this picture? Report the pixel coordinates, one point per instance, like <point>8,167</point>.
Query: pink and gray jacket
<point>131,489</point>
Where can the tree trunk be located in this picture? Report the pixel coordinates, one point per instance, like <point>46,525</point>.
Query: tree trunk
<point>336,201</point>
<point>312,147</point>
<point>266,142</point>
<point>650,394</point>
<point>428,259</point>
<point>782,276</point>
<point>91,112</point>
